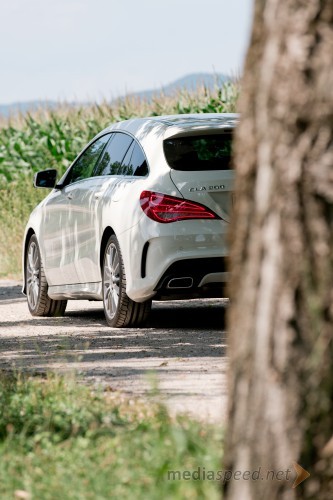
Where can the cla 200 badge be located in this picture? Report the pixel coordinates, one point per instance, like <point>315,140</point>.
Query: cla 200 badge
<point>206,188</point>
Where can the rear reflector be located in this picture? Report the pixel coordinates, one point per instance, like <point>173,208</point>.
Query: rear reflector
<point>164,208</point>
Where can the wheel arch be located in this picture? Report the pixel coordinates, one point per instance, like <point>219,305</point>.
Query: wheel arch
<point>108,231</point>
<point>28,235</point>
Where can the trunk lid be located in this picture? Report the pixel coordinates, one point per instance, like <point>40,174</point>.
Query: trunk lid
<point>201,168</point>
<point>212,189</point>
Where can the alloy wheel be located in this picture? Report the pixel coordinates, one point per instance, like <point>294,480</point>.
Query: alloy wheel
<point>33,275</point>
<point>111,280</point>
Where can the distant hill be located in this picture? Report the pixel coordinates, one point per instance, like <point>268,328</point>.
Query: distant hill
<point>189,82</point>
<point>23,107</point>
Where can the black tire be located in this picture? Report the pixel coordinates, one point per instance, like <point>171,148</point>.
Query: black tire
<point>39,303</point>
<point>119,309</point>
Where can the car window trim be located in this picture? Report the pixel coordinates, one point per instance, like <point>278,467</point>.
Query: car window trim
<point>100,157</point>
<point>136,143</point>
<point>122,175</point>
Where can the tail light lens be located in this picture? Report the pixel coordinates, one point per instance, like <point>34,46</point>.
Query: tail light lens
<point>164,208</point>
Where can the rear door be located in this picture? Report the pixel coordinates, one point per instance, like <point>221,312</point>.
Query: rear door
<point>201,168</point>
<point>86,203</point>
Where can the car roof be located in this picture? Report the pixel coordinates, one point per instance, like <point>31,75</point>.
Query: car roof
<point>170,125</point>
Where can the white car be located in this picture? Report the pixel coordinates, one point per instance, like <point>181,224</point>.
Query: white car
<point>141,214</point>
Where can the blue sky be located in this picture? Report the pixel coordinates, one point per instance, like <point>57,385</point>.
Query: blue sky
<point>93,49</point>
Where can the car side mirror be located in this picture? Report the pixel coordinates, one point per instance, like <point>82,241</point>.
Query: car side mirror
<point>46,178</point>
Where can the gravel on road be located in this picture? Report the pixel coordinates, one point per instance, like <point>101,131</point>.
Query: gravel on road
<point>178,357</point>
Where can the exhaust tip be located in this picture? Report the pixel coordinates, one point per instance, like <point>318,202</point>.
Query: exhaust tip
<point>185,282</point>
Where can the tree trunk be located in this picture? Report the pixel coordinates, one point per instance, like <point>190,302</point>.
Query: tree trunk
<point>281,316</point>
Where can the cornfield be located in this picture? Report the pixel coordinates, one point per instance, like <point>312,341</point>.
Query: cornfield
<point>52,139</point>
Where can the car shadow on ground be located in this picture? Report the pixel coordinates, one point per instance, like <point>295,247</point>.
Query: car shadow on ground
<point>178,332</point>
<point>174,314</point>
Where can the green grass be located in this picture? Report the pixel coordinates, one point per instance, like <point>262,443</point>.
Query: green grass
<point>52,139</point>
<point>62,440</point>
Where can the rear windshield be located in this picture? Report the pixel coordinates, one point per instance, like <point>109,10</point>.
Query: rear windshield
<point>199,152</point>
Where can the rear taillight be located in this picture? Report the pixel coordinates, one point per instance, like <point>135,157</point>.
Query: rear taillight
<point>164,208</point>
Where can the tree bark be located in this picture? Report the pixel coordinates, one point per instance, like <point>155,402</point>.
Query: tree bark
<point>281,315</point>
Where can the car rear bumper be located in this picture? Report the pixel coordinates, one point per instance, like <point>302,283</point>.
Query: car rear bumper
<point>183,257</point>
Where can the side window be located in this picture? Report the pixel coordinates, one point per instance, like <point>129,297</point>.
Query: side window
<point>113,155</point>
<point>85,164</point>
<point>135,162</point>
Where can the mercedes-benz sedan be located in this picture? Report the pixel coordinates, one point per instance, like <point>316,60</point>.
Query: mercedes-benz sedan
<point>141,214</point>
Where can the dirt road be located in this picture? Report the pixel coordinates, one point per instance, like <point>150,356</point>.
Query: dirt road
<point>182,349</point>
